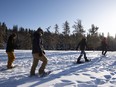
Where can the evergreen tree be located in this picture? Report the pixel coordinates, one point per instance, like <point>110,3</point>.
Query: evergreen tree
<point>78,31</point>
<point>3,37</point>
<point>56,40</point>
<point>65,39</point>
<point>93,30</point>
<point>78,28</point>
<point>93,38</point>
<point>66,28</point>
<point>15,28</point>
<point>56,29</point>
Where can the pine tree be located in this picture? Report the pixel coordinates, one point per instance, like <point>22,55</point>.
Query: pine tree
<point>93,38</point>
<point>56,29</point>
<point>66,28</point>
<point>78,28</point>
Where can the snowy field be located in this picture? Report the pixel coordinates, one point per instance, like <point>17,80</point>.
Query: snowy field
<point>100,72</point>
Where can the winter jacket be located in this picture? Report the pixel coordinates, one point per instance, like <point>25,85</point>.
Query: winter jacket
<point>104,45</point>
<point>37,44</point>
<point>82,44</point>
<point>10,44</point>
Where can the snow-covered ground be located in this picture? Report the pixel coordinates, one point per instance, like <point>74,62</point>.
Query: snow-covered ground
<point>100,72</point>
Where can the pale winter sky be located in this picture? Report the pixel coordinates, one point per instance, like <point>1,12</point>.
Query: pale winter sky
<point>44,13</point>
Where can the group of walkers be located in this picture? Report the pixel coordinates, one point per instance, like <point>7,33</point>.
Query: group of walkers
<point>83,45</point>
<point>39,53</point>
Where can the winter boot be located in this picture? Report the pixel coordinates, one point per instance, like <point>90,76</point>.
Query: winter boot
<point>9,67</point>
<point>41,72</point>
<point>105,53</point>
<point>102,52</point>
<point>32,74</point>
<point>79,58</point>
<point>86,60</point>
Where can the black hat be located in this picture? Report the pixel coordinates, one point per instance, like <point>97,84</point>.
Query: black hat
<point>40,30</point>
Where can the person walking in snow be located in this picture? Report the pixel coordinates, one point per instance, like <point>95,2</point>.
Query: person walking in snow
<point>104,46</point>
<point>82,45</point>
<point>38,53</point>
<point>10,50</point>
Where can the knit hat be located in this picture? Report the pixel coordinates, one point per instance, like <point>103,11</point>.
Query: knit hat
<point>40,30</point>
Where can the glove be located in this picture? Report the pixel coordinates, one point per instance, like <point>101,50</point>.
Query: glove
<point>40,53</point>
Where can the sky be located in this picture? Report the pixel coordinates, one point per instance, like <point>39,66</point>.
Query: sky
<point>44,13</point>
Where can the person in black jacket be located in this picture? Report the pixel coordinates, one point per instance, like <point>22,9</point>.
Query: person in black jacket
<point>10,50</point>
<point>104,46</point>
<point>38,53</point>
<point>82,44</point>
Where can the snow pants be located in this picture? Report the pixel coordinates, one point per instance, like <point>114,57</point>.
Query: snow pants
<point>36,59</point>
<point>11,58</point>
<point>81,54</point>
<point>104,51</point>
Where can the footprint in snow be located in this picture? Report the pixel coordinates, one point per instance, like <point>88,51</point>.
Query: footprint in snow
<point>64,83</point>
<point>93,77</point>
<point>86,74</point>
<point>107,76</point>
<point>112,73</point>
<point>99,81</point>
<point>86,85</point>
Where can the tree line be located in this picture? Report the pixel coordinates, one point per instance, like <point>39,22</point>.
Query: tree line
<point>56,40</point>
